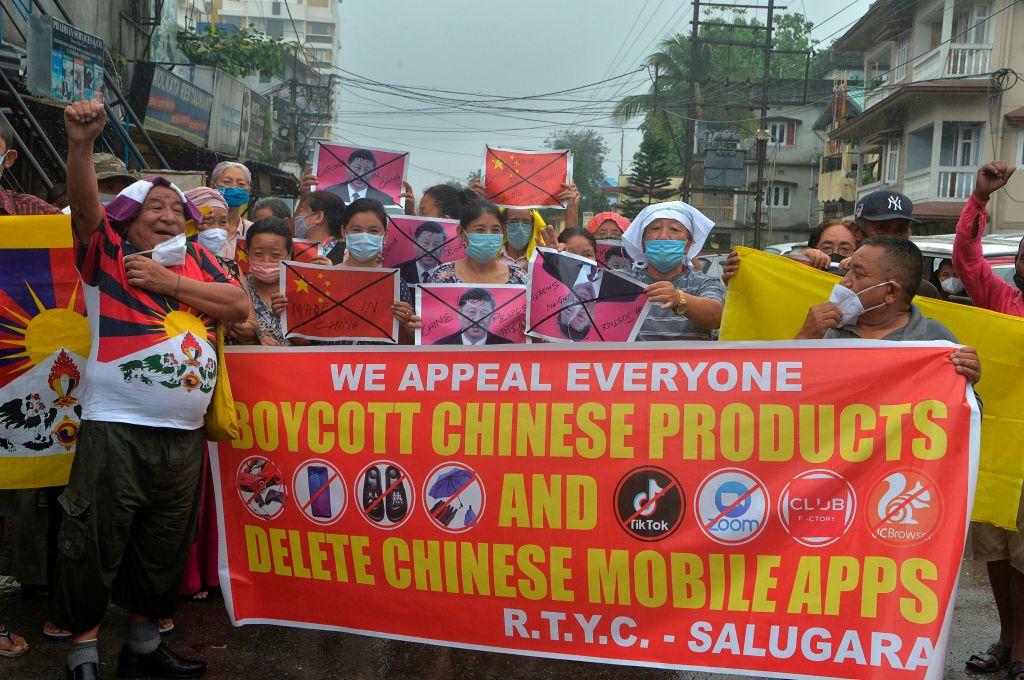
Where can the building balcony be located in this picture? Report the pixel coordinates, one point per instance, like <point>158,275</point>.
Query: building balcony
<point>945,61</point>
<point>940,184</point>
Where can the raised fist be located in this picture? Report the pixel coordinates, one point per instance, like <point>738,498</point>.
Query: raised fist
<point>992,177</point>
<point>84,121</point>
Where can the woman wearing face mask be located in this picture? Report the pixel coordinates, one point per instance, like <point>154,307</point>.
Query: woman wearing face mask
<point>663,239</point>
<point>212,234</point>
<point>233,180</point>
<point>482,231</point>
<point>365,226</point>
<point>319,218</point>
<point>269,242</point>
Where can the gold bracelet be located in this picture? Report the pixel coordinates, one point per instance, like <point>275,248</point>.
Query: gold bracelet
<point>681,302</point>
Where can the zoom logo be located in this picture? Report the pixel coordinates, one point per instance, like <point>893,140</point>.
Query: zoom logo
<point>649,503</point>
<point>731,506</point>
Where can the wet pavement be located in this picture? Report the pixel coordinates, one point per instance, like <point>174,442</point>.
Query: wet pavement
<point>269,653</point>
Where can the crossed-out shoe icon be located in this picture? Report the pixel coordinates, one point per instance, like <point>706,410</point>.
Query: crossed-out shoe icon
<point>385,491</point>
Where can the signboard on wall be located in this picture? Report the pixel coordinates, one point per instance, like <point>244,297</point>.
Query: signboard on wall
<point>227,117</point>
<point>170,104</point>
<point>64,63</point>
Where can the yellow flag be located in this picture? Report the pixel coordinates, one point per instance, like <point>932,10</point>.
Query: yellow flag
<point>768,299</point>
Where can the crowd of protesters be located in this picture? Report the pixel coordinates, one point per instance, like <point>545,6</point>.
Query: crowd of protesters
<point>144,242</point>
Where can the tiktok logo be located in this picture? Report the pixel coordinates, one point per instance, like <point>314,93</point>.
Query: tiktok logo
<point>649,503</point>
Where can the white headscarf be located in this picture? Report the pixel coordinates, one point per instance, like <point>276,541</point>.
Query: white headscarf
<point>691,218</point>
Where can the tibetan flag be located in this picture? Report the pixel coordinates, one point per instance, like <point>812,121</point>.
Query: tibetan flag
<point>515,178</point>
<point>44,345</point>
<point>769,297</point>
<point>339,303</point>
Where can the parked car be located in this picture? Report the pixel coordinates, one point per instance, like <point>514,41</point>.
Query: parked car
<point>784,248</point>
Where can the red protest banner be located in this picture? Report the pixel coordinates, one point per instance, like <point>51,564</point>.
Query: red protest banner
<point>339,303</point>
<point>693,506</point>
<point>515,178</point>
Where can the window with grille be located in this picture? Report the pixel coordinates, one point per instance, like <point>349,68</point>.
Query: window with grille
<point>781,132</point>
<point>776,196</point>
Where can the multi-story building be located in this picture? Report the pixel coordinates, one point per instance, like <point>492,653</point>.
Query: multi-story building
<point>938,103</point>
<point>791,169</point>
<point>312,24</point>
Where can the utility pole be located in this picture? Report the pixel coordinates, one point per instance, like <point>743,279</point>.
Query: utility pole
<point>691,106</point>
<point>761,137</point>
<point>293,114</point>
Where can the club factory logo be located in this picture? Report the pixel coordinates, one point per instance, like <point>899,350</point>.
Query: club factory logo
<point>649,503</point>
<point>731,506</point>
<point>817,507</point>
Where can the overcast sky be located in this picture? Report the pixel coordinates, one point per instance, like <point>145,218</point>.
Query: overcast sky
<point>508,49</point>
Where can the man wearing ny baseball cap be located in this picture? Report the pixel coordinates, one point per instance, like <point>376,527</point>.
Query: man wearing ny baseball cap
<point>889,213</point>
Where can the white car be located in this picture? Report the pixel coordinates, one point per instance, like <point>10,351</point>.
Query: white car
<point>784,248</point>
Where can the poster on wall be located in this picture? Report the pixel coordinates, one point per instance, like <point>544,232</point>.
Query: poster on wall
<point>64,62</point>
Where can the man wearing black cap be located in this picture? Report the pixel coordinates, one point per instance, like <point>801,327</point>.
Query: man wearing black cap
<point>889,213</point>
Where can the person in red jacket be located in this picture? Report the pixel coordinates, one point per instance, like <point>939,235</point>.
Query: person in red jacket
<point>1001,550</point>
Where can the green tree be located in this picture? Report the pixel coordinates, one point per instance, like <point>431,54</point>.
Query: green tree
<point>650,181</point>
<point>238,53</point>
<point>728,77</point>
<point>588,153</point>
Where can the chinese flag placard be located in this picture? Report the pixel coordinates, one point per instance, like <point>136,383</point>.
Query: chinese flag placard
<point>515,178</point>
<point>339,303</point>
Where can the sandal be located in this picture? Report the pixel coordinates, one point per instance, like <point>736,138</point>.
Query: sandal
<point>14,651</point>
<point>166,627</point>
<point>992,660</point>
<point>51,631</point>
<point>200,596</point>
<point>1015,671</point>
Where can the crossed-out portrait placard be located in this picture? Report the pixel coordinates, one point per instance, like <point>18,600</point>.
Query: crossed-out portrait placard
<point>571,299</point>
<point>338,303</point>
<point>355,171</point>
<point>517,178</point>
<point>415,245</point>
<point>468,314</point>
<point>612,249</point>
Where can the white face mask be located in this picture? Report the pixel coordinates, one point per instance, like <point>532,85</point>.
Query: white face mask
<point>170,253</point>
<point>953,286</point>
<point>214,239</point>
<point>849,302</point>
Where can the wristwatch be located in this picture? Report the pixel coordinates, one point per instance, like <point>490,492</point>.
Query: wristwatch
<point>680,307</point>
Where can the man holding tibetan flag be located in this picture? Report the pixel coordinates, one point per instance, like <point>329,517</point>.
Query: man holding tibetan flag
<point>131,501</point>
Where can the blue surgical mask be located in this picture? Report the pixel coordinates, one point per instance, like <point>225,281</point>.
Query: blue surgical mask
<point>213,239</point>
<point>665,255</point>
<point>364,247</point>
<point>484,247</point>
<point>519,234</point>
<point>301,228</point>
<point>235,197</point>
